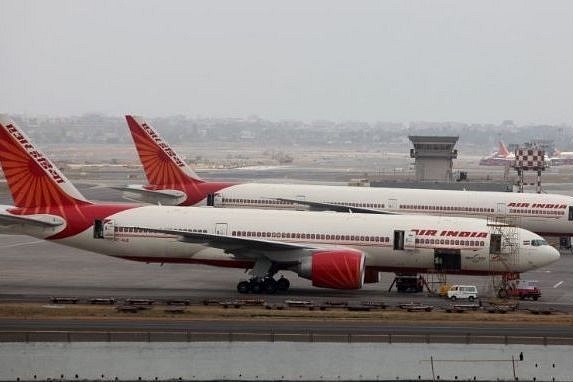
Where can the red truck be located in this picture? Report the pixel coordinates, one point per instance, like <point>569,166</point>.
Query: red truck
<point>522,289</point>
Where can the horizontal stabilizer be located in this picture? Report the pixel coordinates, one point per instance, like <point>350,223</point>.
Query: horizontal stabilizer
<point>173,194</point>
<point>40,220</point>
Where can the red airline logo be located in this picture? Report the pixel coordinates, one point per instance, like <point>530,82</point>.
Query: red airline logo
<point>537,205</point>
<point>35,154</point>
<point>449,233</point>
<point>166,149</point>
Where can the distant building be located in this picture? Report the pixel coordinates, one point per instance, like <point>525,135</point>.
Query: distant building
<point>433,157</point>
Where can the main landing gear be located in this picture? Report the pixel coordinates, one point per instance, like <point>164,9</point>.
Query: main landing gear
<point>267,285</point>
<point>262,280</point>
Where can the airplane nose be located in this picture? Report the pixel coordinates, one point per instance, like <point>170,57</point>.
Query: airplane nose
<point>551,255</point>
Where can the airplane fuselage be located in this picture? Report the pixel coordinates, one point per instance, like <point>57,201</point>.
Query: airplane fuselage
<point>544,214</point>
<point>390,242</point>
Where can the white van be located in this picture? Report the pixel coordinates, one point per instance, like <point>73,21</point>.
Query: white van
<point>463,291</point>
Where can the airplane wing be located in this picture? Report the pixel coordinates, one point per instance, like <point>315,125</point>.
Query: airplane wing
<point>231,243</point>
<point>7,219</point>
<point>244,247</point>
<point>322,206</point>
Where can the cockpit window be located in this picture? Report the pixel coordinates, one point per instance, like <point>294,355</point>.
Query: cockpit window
<point>538,242</point>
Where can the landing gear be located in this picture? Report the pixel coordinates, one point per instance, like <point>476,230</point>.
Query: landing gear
<point>243,287</point>
<point>267,285</point>
<point>283,284</point>
<point>262,280</point>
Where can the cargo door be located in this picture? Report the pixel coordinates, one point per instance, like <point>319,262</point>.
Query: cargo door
<point>447,260</point>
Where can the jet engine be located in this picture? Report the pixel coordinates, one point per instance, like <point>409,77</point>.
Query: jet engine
<point>336,269</point>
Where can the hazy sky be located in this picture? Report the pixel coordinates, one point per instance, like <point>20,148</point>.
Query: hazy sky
<point>469,61</point>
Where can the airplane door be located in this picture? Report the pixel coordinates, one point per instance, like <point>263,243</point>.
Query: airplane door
<point>218,200</point>
<point>104,229</point>
<point>495,243</point>
<point>501,208</point>
<point>410,240</point>
<point>109,229</point>
<point>300,207</point>
<point>221,228</point>
<point>399,240</point>
<point>392,204</point>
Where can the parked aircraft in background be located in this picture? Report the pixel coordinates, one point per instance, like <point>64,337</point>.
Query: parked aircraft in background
<point>334,250</point>
<point>502,157</point>
<point>173,182</point>
<point>561,158</point>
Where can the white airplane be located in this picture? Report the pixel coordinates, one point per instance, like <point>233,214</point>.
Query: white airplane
<point>561,158</point>
<point>173,182</point>
<point>334,250</point>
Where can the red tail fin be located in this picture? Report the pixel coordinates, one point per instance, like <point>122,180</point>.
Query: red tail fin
<point>162,166</point>
<point>34,181</point>
<point>502,151</point>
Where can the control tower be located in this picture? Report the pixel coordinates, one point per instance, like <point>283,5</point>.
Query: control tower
<point>433,157</point>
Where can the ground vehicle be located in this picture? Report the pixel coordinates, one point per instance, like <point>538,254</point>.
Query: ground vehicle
<point>463,291</point>
<point>522,289</point>
<point>406,282</point>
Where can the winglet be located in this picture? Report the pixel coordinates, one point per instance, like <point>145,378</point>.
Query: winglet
<point>34,181</point>
<point>161,163</point>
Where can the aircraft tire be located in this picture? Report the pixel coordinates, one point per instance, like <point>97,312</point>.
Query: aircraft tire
<point>270,285</point>
<point>283,284</point>
<point>256,286</point>
<point>243,287</point>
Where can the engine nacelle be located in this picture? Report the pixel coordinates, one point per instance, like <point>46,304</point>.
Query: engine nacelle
<point>343,269</point>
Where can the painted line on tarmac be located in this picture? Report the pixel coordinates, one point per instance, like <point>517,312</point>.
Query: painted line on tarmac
<point>558,284</point>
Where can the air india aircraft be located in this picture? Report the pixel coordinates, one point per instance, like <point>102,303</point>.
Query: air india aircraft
<point>502,157</point>
<point>334,250</point>
<point>173,182</point>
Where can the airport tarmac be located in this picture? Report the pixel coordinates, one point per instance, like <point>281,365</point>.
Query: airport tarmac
<point>33,270</point>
